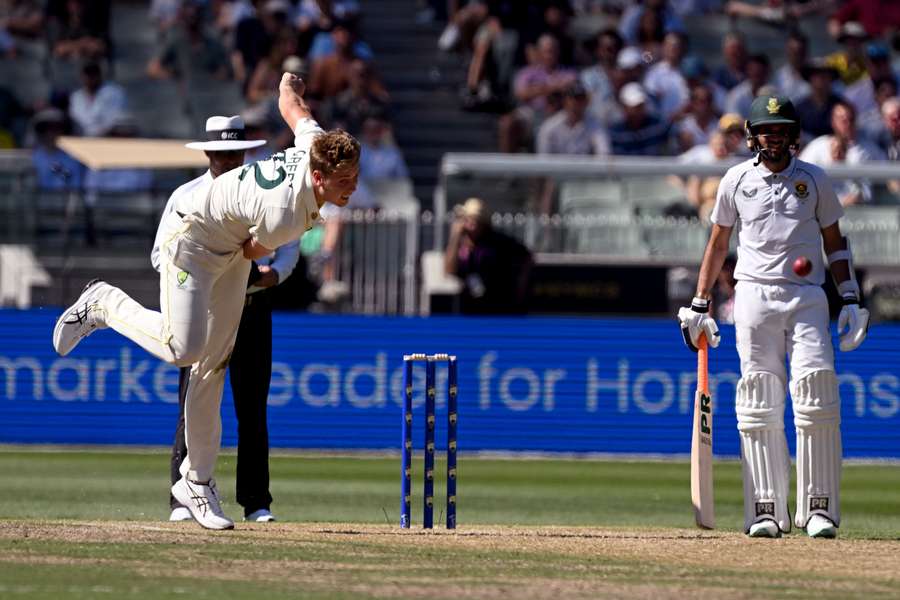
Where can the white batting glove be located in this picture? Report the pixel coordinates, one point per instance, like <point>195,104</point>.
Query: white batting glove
<point>696,320</point>
<point>856,322</point>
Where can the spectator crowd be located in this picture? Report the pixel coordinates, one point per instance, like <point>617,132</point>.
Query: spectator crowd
<point>634,86</point>
<point>564,76</point>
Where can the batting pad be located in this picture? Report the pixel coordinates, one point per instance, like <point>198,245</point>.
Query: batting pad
<point>766,463</point>
<point>817,417</point>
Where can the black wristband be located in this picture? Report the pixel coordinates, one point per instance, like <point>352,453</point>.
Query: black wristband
<point>847,300</point>
<point>700,305</point>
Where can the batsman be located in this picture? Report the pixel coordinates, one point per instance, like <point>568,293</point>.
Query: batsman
<point>785,209</point>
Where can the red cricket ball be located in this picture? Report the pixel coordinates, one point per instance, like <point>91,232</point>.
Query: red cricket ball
<point>802,266</point>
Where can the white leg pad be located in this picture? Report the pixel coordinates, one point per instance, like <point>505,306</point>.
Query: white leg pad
<point>817,417</point>
<point>766,463</point>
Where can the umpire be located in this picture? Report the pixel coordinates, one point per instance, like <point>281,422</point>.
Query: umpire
<point>250,364</point>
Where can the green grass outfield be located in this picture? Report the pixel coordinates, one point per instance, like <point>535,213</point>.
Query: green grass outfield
<point>91,523</point>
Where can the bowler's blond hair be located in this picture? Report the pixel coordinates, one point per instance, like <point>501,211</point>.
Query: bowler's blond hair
<point>333,151</point>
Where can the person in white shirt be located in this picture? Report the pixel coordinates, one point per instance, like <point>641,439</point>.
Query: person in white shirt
<point>788,77</point>
<point>250,363</point>
<point>787,211</point>
<point>664,80</point>
<point>97,104</point>
<point>843,146</point>
<point>741,96</point>
<point>208,241</point>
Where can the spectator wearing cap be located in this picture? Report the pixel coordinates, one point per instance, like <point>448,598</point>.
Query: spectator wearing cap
<point>597,79</point>
<point>876,17</point>
<point>843,146</point>
<point>495,268</point>
<point>664,80</point>
<point>699,121</point>
<point>861,94</point>
<point>732,71</point>
<point>639,132</point>
<point>850,61</point>
<point>54,169</point>
<point>630,67</point>
<point>733,136</point>
<point>535,87</point>
<point>814,111</point>
<point>741,96</point>
<point>250,363</point>
<point>95,105</point>
<point>789,79</point>
<point>573,130</point>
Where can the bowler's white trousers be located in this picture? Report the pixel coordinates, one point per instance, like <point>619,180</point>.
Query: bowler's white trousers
<point>201,300</point>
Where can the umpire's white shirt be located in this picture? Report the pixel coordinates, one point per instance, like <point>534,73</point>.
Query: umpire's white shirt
<point>780,216</point>
<point>270,200</point>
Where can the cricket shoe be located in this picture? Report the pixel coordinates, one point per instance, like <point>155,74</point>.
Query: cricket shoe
<point>260,516</point>
<point>202,500</point>
<point>181,513</point>
<point>821,527</point>
<point>81,319</point>
<point>766,528</point>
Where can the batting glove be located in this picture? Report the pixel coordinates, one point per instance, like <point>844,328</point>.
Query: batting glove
<point>856,322</point>
<point>696,320</point>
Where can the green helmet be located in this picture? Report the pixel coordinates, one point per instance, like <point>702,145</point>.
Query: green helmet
<point>772,110</point>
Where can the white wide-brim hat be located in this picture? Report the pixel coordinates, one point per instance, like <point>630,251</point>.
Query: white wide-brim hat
<point>225,134</point>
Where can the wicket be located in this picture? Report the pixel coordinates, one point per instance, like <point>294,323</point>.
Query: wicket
<point>430,361</point>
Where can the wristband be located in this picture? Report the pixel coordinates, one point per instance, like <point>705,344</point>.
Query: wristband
<point>700,305</point>
<point>848,288</point>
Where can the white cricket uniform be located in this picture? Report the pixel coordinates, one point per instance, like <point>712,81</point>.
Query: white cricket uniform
<point>203,277</point>
<point>779,218</point>
<point>776,313</point>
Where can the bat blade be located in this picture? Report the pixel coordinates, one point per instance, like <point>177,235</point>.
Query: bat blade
<point>701,445</point>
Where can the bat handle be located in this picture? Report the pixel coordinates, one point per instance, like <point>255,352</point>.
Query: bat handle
<point>703,364</point>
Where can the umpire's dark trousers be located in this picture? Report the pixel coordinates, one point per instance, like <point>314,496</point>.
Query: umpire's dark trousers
<point>250,370</point>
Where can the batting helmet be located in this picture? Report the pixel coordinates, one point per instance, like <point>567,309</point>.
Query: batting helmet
<point>772,110</point>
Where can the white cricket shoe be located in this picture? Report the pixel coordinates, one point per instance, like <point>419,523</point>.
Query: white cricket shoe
<point>79,320</point>
<point>821,527</point>
<point>202,500</point>
<point>260,516</point>
<point>766,528</point>
<point>181,513</point>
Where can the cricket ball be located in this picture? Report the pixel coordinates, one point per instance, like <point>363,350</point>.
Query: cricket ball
<point>802,266</point>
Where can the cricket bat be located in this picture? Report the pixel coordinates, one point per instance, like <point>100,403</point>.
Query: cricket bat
<point>701,444</point>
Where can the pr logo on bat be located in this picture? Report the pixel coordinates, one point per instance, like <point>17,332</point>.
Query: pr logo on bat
<point>705,412</point>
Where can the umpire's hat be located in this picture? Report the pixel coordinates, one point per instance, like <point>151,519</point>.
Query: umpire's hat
<point>225,134</point>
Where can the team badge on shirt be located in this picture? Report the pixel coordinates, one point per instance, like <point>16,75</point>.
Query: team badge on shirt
<point>801,189</point>
<point>182,277</point>
<point>749,193</point>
